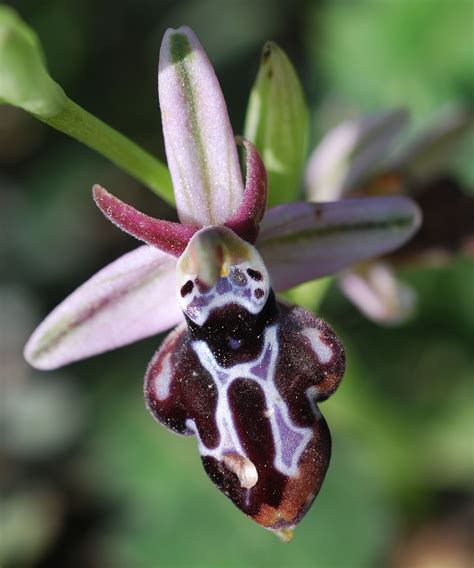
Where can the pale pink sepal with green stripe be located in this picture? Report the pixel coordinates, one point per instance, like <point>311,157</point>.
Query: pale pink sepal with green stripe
<point>200,146</point>
<point>304,241</point>
<point>130,299</point>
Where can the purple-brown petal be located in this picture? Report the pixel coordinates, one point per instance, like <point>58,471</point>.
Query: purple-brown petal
<point>171,238</point>
<point>246,220</point>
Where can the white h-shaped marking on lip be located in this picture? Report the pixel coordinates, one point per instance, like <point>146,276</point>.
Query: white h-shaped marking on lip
<point>276,408</point>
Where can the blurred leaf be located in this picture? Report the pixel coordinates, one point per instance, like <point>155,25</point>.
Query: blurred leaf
<point>31,414</point>
<point>403,51</point>
<point>86,128</point>
<point>376,54</point>
<point>28,523</point>
<point>277,123</point>
<point>447,441</point>
<point>311,294</point>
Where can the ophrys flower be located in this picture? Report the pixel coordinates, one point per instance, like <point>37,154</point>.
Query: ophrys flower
<point>242,371</point>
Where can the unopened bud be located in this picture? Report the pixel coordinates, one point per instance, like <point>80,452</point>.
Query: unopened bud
<point>24,79</point>
<point>277,122</point>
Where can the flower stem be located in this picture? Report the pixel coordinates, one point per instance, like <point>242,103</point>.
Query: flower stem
<point>86,128</point>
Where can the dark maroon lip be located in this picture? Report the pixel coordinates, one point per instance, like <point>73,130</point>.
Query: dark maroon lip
<point>247,385</point>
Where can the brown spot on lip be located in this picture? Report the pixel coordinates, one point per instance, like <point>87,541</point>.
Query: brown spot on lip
<point>186,288</point>
<point>254,274</point>
<point>318,213</point>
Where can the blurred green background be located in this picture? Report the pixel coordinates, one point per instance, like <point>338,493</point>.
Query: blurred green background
<point>89,479</point>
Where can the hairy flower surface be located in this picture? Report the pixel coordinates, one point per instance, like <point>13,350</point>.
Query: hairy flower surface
<point>241,371</point>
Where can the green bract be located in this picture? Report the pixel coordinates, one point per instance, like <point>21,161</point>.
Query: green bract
<point>277,122</point>
<point>24,79</point>
<point>25,83</point>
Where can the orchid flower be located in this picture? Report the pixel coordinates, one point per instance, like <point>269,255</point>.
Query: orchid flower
<point>359,158</point>
<point>241,371</point>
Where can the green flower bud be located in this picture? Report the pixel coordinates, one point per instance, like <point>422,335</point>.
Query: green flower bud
<point>277,122</point>
<point>24,79</point>
<point>25,83</point>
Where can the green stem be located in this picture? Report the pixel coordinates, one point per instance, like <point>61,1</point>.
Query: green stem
<point>86,128</point>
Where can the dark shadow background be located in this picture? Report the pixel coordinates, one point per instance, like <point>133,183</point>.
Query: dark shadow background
<point>89,479</point>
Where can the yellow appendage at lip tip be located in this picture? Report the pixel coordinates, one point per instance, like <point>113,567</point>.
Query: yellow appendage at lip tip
<point>285,535</point>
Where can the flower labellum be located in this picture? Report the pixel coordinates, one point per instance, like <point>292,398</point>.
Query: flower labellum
<point>244,376</point>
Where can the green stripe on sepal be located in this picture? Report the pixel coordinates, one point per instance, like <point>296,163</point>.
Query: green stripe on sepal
<point>179,47</point>
<point>277,122</point>
<point>181,56</point>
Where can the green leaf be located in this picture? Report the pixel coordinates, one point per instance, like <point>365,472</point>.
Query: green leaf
<point>277,122</point>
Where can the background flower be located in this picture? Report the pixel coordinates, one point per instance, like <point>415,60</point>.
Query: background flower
<point>363,157</point>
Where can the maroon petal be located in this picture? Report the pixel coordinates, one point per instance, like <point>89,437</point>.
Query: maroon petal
<point>245,221</point>
<point>169,237</point>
